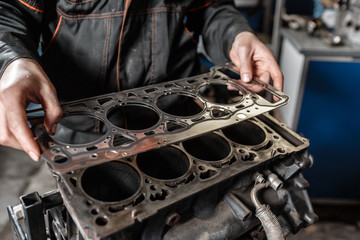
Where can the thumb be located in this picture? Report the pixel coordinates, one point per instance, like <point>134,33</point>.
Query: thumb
<point>51,108</point>
<point>245,66</point>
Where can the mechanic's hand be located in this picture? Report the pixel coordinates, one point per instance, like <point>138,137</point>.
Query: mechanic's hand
<point>254,59</point>
<point>23,82</point>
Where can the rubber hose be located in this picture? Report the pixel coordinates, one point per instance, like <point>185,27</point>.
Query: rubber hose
<point>270,223</point>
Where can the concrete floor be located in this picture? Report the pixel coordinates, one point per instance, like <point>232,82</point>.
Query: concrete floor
<point>19,175</point>
<point>328,231</point>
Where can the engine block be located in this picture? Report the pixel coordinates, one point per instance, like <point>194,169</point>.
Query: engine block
<point>176,160</point>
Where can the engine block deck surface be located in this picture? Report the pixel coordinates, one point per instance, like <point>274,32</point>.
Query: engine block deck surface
<point>112,196</point>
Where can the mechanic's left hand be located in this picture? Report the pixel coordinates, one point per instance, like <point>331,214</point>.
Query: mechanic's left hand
<point>254,59</point>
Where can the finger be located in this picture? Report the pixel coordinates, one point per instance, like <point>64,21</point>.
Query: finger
<point>234,58</point>
<point>51,108</point>
<point>17,124</point>
<point>245,64</point>
<point>265,77</point>
<point>276,75</point>
<point>278,80</point>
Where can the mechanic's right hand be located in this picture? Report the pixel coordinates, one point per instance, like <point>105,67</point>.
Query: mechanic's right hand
<point>23,82</point>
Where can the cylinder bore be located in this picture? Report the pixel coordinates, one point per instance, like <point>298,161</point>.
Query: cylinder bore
<point>79,129</point>
<point>208,147</point>
<point>180,104</point>
<point>245,132</point>
<point>219,93</point>
<point>110,182</point>
<point>165,163</point>
<point>133,117</point>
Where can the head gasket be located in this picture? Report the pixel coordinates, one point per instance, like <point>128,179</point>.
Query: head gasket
<point>119,125</point>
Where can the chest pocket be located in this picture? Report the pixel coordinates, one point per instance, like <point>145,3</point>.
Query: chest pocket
<point>82,46</point>
<point>87,7</point>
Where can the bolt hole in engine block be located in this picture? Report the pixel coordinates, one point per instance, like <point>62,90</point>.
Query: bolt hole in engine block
<point>158,161</point>
<point>101,221</point>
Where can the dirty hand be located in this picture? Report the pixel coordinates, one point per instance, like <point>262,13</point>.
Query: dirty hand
<point>254,59</point>
<point>23,82</point>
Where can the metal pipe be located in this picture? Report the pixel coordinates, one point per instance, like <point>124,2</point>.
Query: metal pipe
<point>254,192</point>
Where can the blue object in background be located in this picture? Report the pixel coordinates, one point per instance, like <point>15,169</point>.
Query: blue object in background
<point>330,118</point>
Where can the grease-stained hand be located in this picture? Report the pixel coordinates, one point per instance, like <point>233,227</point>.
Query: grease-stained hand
<point>24,82</point>
<point>254,59</point>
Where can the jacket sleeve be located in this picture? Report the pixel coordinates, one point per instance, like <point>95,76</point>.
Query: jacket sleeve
<point>20,24</point>
<point>222,22</point>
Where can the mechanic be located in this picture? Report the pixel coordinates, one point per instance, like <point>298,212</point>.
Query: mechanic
<point>73,49</point>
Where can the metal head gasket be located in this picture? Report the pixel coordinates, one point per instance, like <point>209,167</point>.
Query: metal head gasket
<point>119,125</point>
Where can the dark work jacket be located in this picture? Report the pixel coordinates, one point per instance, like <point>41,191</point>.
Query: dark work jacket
<point>91,47</point>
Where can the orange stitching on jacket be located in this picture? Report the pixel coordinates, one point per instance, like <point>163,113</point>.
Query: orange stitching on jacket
<point>120,13</point>
<point>108,41</point>
<point>104,58</point>
<point>155,34</point>
<point>74,2</point>
<point>157,10</point>
<point>54,35</point>
<point>90,16</point>
<point>153,40</point>
<point>143,44</point>
<point>145,11</point>
<point>31,7</point>
<point>127,5</point>
<point>191,35</point>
